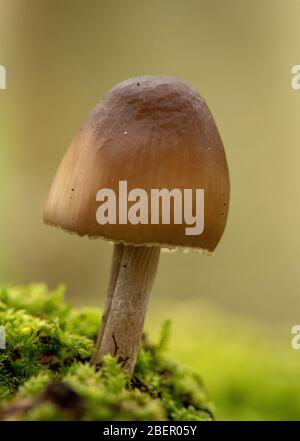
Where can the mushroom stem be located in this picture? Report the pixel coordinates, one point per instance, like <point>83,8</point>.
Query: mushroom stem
<point>124,326</point>
<point>114,272</point>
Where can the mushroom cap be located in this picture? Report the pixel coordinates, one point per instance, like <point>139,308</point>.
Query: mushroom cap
<point>154,132</point>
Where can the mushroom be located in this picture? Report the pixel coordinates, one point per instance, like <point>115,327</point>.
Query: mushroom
<point>152,132</point>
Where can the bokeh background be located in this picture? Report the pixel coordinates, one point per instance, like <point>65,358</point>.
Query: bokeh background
<point>232,313</point>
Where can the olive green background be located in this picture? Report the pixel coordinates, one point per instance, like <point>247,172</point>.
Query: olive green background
<point>61,57</point>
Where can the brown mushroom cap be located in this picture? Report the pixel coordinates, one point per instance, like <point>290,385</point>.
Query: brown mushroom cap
<point>153,132</point>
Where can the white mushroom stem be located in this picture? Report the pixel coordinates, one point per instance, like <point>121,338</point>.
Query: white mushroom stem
<point>124,326</point>
<point>114,272</point>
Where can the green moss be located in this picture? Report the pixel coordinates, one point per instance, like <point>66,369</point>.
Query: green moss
<point>45,372</point>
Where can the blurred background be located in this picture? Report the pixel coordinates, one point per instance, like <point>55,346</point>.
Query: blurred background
<point>232,313</point>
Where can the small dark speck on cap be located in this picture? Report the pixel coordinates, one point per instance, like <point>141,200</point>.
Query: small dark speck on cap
<point>137,84</point>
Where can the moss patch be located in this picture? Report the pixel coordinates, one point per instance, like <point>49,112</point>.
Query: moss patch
<point>45,372</point>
